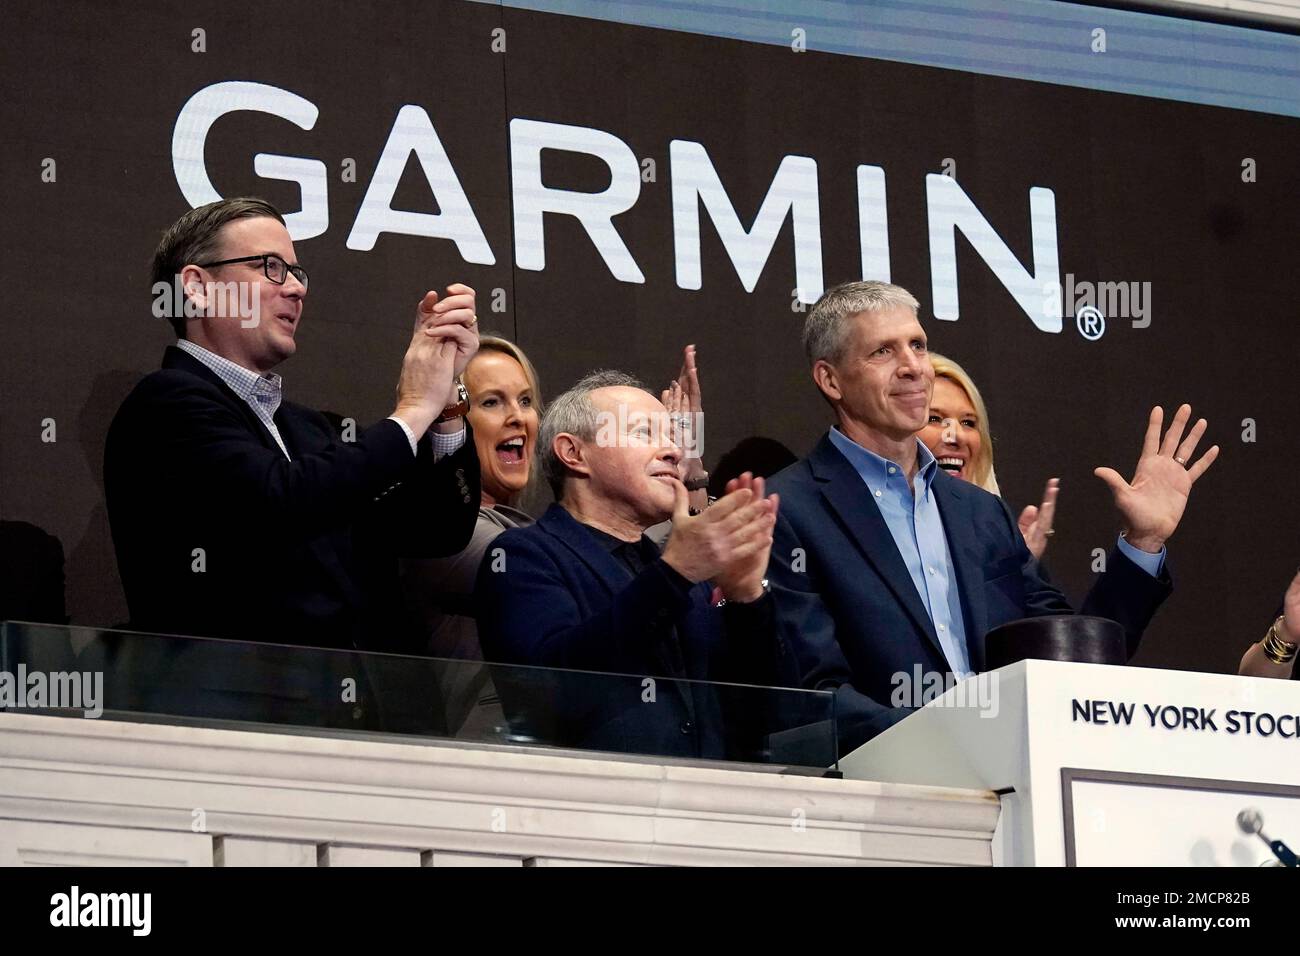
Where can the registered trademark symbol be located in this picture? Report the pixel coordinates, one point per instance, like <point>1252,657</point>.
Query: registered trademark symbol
<point>1090,323</point>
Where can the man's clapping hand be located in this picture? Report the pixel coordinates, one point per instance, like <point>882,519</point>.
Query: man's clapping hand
<point>452,321</point>
<point>445,338</point>
<point>729,543</point>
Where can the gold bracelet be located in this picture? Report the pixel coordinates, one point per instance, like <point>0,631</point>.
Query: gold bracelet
<point>1276,649</point>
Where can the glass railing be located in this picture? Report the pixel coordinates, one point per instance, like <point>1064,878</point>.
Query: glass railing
<point>124,675</point>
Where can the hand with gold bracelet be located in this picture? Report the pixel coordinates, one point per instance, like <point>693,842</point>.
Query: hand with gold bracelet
<point>1275,654</point>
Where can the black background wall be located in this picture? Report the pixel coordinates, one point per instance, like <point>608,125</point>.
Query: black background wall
<point>1146,191</point>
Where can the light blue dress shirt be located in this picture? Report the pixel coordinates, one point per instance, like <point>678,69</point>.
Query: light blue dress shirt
<point>912,516</point>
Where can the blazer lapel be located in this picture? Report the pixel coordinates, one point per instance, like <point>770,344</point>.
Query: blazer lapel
<point>614,576</point>
<point>850,499</point>
<point>604,565</point>
<point>965,552</point>
<point>178,359</point>
<point>289,421</point>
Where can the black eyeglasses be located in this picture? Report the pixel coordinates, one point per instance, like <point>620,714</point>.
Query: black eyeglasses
<point>276,269</point>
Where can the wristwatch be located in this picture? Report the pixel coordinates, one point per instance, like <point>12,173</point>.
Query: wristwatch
<point>764,584</point>
<point>697,484</point>
<point>459,408</point>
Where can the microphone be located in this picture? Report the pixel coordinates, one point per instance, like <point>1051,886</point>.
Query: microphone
<point>1251,821</point>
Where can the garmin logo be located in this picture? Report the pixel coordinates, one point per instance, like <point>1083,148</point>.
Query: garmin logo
<point>102,909</point>
<point>792,194</point>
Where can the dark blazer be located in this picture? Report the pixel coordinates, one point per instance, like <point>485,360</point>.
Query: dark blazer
<point>550,595</point>
<point>849,610</point>
<point>293,552</point>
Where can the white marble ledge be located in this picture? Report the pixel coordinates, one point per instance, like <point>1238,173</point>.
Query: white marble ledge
<point>444,801</point>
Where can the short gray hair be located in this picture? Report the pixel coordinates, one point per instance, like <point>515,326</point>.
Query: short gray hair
<point>826,331</point>
<point>574,413</point>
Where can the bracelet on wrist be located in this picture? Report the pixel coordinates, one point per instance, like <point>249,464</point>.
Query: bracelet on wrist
<point>1276,648</point>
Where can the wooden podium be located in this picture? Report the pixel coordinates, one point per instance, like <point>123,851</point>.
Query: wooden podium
<point>1100,765</point>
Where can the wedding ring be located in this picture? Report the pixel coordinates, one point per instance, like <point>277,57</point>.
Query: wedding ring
<point>1181,461</point>
<point>473,320</point>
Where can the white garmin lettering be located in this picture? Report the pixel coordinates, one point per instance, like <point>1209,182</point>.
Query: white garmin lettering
<point>951,209</point>
<point>413,132</point>
<point>793,193</point>
<point>208,105</point>
<point>596,211</point>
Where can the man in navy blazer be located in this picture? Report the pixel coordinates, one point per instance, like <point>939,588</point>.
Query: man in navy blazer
<point>236,514</point>
<point>883,564</point>
<point>585,589</point>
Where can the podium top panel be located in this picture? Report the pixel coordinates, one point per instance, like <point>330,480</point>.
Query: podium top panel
<point>993,729</point>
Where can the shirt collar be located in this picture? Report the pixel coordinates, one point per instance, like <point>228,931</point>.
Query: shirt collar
<point>612,544</point>
<point>266,390</point>
<point>876,470</point>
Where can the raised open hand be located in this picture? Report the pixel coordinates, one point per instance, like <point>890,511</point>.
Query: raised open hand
<point>684,402</point>
<point>1152,504</point>
<point>1036,520</point>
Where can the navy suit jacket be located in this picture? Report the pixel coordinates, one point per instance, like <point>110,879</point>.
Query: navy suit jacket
<point>293,552</point>
<point>849,610</point>
<point>550,595</point>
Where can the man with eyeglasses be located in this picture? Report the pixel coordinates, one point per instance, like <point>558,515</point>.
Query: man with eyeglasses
<point>237,514</point>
